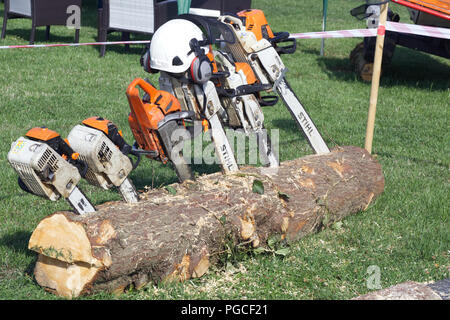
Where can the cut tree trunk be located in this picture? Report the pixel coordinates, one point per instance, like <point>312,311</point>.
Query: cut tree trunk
<point>169,236</point>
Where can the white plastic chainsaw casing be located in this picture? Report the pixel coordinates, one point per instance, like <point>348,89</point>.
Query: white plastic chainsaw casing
<point>33,160</point>
<point>271,63</point>
<point>107,165</point>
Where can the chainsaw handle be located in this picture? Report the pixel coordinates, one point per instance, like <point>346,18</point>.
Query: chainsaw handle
<point>278,37</point>
<point>287,49</point>
<point>268,101</point>
<point>243,90</point>
<point>135,163</point>
<point>124,147</point>
<point>147,87</point>
<point>235,20</point>
<point>81,165</point>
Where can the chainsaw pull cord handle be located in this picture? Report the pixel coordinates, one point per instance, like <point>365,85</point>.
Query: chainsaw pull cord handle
<point>268,101</point>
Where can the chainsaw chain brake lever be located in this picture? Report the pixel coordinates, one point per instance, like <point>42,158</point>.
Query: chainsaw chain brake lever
<point>243,90</point>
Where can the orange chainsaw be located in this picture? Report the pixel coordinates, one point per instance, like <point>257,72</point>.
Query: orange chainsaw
<point>157,123</point>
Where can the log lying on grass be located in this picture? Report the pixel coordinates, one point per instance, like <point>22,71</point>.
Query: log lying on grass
<point>176,236</point>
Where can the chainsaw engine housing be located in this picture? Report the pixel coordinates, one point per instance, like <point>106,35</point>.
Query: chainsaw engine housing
<point>107,165</point>
<point>42,169</point>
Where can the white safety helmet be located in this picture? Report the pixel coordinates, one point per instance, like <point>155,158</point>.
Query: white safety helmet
<point>170,50</point>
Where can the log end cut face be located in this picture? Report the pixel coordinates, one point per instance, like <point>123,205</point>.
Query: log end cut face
<point>65,279</point>
<point>65,256</point>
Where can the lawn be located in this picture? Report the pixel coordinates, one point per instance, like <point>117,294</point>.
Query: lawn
<point>405,233</point>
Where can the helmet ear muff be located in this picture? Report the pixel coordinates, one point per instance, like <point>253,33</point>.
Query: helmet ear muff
<point>145,62</point>
<point>201,69</point>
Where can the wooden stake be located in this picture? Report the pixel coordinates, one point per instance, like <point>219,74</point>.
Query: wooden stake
<point>376,77</point>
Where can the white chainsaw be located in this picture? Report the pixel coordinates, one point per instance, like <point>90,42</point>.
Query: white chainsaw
<point>101,145</point>
<point>238,94</point>
<point>49,168</point>
<point>263,56</point>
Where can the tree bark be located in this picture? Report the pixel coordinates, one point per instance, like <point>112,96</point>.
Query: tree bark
<point>178,236</point>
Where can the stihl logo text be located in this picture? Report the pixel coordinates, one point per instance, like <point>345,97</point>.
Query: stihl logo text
<point>307,126</point>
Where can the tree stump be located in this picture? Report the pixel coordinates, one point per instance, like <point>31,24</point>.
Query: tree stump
<point>177,236</point>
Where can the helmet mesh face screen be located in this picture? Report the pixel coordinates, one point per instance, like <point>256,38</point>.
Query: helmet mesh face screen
<point>221,32</point>
<point>214,30</point>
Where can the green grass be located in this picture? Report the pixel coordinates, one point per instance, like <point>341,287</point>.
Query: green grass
<point>405,232</point>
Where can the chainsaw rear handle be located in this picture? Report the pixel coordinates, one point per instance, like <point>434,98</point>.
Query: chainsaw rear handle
<point>81,165</point>
<point>132,93</point>
<point>124,147</point>
<point>284,38</point>
<point>138,158</point>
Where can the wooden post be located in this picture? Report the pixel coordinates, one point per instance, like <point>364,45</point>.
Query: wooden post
<point>376,77</point>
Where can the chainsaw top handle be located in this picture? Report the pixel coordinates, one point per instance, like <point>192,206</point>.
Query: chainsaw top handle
<point>147,87</point>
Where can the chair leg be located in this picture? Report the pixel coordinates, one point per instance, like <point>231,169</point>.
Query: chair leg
<point>47,33</point>
<point>102,31</point>
<point>126,37</point>
<point>102,38</point>
<point>5,19</point>
<point>33,33</point>
<point>99,22</point>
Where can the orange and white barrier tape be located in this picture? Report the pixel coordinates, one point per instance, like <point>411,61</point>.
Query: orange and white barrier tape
<point>73,44</point>
<point>434,32</point>
<point>443,33</point>
<point>355,33</point>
